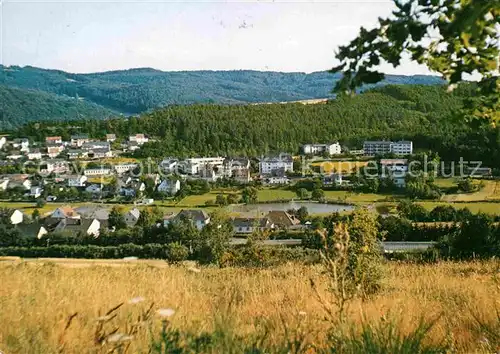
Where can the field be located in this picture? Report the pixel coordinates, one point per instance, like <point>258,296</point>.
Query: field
<point>37,297</point>
<point>490,191</point>
<point>265,195</point>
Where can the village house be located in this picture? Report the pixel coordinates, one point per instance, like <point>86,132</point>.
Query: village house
<point>276,180</point>
<point>34,154</point>
<point>140,139</point>
<point>170,187</point>
<point>238,169</point>
<point>54,165</point>
<point>335,179</point>
<point>133,146</point>
<point>53,150</point>
<point>316,149</point>
<point>110,138</point>
<point>169,165</point>
<point>4,183</point>
<point>19,181</point>
<point>32,230</point>
<point>3,141</point>
<point>251,225</point>
<point>16,217</point>
<point>131,217</point>
<point>76,180</point>
<point>199,218</point>
<point>35,192</point>
<point>21,144</point>
<point>64,212</point>
<point>396,169</point>
<point>95,188</point>
<point>278,165</point>
<point>79,140</point>
<point>77,154</point>
<point>90,227</point>
<point>283,220</point>
<point>53,140</point>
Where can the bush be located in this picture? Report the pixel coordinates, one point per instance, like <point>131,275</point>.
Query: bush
<point>177,252</point>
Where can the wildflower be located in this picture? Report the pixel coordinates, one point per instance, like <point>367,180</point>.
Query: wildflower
<point>136,300</point>
<point>165,313</point>
<point>118,337</point>
<point>194,270</point>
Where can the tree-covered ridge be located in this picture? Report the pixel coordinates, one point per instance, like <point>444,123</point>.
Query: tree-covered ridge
<point>19,106</point>
<point>139,90</point>
<point>424,114</point>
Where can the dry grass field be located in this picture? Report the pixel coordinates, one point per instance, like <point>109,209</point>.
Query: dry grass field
<point>36,298</point>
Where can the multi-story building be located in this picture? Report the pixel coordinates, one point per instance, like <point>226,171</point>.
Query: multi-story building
<point>276,165</point>
<point>382,147</point>
<point>53,140</point>
<point>125,167</point>
<point>314,149</point>
<point>79,140</point>
<point>138,138</point>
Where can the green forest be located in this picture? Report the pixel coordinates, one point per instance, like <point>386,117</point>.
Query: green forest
<point>18,106</point>
<point>428,115</point>
<point>139,90</point>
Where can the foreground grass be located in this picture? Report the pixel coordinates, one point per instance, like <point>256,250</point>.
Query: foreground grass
<point>36,299</point>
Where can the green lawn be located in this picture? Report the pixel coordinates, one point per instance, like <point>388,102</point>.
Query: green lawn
<point>445,182</point>
<point>265,195</point>
<point>355,197</point>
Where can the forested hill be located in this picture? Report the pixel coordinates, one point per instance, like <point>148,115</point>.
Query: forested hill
<point>140,90</point>
<point>18,106</point>
<point>424,114</point>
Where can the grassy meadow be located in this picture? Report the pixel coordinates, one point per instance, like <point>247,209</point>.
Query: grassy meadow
<point>37,297</point>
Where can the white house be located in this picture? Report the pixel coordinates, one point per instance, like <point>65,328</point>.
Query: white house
<point>3,141</point>
<point>199,218</point>
<point>138,138</point>
<point>35,192</point>
<point>22,144</point>
<point>250,225</point>
<point>77,154</point>
<point>103,171</point>
<point>19,181</point>
<point>279,164</point>
<point>314,149</point>
<point>16,217</point>
<point>132,216</point>
<point>276,180</point>
<point>169,165</point>
<point>76,180</point>
<point>4,183</point>
<point>34,154</point>
<point>54,150</point>
<point>125,167</point>
<point>170,187</point>
<point>14,156</point>
<point>89,227</point>
<point>110,138</point>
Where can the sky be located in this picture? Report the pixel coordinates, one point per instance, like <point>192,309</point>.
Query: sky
<point>93,36</point>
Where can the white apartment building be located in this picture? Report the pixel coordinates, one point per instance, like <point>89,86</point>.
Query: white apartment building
<point>282,163</point>
<point>314,149</point>
<point>403,147</point>
<point>125,167</point>
<point>97,171</point>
